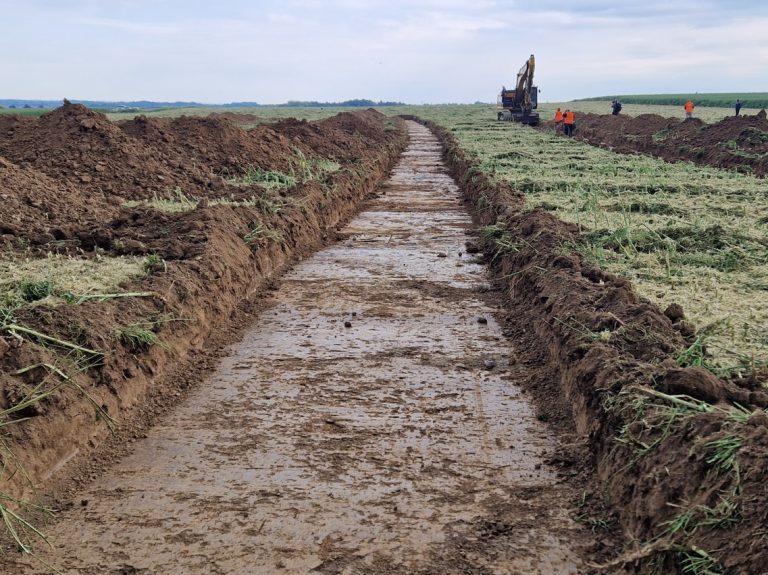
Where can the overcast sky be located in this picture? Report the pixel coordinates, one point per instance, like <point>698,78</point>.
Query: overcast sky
<point>420,51</point>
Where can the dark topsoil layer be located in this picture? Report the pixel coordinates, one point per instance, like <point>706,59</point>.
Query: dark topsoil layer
<point>658,433</point>
<point>63,181</point>
<point>738,142</point>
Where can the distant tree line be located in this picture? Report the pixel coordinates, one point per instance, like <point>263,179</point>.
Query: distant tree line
<point>147,105</point>
<point>358,103</point>
<point>717,100</point>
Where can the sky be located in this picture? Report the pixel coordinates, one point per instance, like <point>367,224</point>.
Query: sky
<point>419,51</point>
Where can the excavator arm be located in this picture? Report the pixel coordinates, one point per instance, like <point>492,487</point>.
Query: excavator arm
<point>518,104</point>
<point>525,82</point>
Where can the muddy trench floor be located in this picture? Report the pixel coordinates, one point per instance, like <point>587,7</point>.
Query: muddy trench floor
<point>368,422</point>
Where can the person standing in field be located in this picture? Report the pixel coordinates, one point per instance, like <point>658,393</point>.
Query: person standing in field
<point>558,121</point>
<point>570,123</point>
<point>689,110</point>
<point>615,107</point>
<point>738,106</point>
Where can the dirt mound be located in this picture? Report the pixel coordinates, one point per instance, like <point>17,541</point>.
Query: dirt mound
<point>342,136</point>
<point>67,175</point>
<point>84,149</point>
<point>40,209</point>
<point>240,119</point>
<point>72,169</point>
<point>215,143</point>
<point>10,123</point>
<point>737,142</point>
<point>680,454</point>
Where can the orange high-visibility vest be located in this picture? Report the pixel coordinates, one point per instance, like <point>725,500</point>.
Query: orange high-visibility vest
<point>570,118</point>
<point>689,106</point>
<point>558,116</point>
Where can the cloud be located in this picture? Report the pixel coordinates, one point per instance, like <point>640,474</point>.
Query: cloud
<point>132,27</point>
<point>416,50</point>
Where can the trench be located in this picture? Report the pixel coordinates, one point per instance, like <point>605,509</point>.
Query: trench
<point>367,423</point>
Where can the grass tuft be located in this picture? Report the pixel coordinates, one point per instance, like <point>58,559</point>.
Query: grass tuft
<point>723,453</point>
<point>154,263</point>
<point>259,233</point>
<point>139,336</point>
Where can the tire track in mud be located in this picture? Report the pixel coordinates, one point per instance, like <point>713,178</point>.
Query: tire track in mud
<point>365,424</point>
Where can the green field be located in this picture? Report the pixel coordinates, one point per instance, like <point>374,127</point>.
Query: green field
<point>24,111</point>
<point>546,110</point>
<point>265,113</point>
<point>682,233</point>
<point>719,100</point>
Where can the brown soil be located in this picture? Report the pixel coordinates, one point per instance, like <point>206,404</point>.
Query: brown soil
<point>218,143</point>
<point>356,427</point>
<point>596,357</point>
<point>737,142</point>
<point>653,463</point>
<point>64,179</point>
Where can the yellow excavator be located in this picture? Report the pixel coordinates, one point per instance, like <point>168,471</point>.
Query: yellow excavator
<point>518,105</point>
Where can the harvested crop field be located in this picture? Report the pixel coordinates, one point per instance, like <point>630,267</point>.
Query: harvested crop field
<point>738,142</point>
<point>596,404</point>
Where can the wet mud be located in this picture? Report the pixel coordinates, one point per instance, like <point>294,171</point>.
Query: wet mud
<point>367,423</point>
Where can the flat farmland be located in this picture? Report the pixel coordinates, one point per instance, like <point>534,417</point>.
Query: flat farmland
<point>682,233</point>
<point>624,308</point>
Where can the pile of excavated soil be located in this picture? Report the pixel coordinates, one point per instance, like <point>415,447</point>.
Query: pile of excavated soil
<point>42,209</point>
<point>82,148</point>
<point>682,456</point>
<point>64,182</point>
<point>215,143</point>
<point>346,135</point>
<point>737,142</point>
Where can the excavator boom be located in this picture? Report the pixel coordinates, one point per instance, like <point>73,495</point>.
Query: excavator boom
<point>518,105</point>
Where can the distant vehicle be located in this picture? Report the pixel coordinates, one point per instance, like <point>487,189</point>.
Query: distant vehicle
<point>518,105</point>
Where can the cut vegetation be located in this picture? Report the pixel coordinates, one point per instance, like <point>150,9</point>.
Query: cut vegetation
<point>675,418</point>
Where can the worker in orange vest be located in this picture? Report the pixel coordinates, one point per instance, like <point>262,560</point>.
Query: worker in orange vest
<point>689,110</point>
<point>558,121</point>
<point>570,122</point>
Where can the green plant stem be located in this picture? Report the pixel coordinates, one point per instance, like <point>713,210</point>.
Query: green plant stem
<point>12,328</point>
<point>78,299</point>
<point>674,399</point>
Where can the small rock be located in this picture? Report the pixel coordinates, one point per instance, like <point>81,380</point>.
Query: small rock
<point>354,314</point>
<point>482,320</point>
<point>489,364</point>
<point>347,324</point>
<point>442,255</point>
